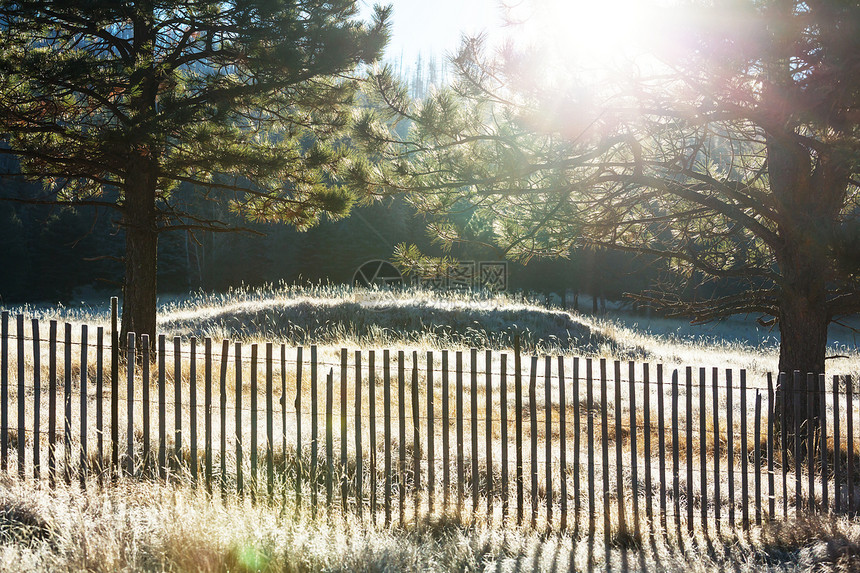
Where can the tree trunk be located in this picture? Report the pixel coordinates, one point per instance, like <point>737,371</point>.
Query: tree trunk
<point>141,245</point>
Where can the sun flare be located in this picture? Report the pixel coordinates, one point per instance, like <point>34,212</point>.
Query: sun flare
<point>589,33</point>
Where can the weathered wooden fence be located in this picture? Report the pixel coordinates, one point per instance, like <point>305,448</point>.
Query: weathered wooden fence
<point>551,441</point>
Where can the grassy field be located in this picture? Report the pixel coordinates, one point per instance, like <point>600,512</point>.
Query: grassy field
<point>147,526</point>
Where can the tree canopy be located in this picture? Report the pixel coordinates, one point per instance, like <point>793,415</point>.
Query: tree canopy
<point>730,151</point>
<point>116,104</point>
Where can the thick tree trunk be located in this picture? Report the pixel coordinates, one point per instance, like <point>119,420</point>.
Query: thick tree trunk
<point>141,243</point>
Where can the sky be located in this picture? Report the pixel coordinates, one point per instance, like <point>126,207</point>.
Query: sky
<point>434,27</point>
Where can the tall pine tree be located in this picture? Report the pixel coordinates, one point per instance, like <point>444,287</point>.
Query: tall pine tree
<point>243,99</point>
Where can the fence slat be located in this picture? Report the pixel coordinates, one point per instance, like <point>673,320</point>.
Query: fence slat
<point>401,420</point>
<point>771,496</point>
<point>37,396</point>
<point>371,402</point>
<point>240,482</point>
<point>458,417</point>
<point>207,410</point>
<point>431,435</point>
<point>177,402</point>
<point>619,446</point>
<point>745,516</point>
<point>344,483</point>
<point>837,449</point>
<point>386,437</point>
<point>503,422</point>
<point>646,439</point>
<point>446,427</point>
<point>4,392</point>
<point>114,386</point>
<point>416,438</point>
<point>810,438</point>
<point>255,446</point>
<point>703,449</point>
<point>783,438</point>
<point>359,454</point>
<point>730,447</point>
<point>715,376</point>
<point>300,468</point>
<point>329,438</point>
<point>547,382</point>
<point>634,452</point>
<point>162,420</point>
<point>757,446</point>
<point>589,392</point>
<point>52,399</point>
<point>518,427</point>
<point>822,393</point>
<point>604,434</point>
<point>67,401</point>
<point>192,406</point>
<point>314,480</point>
<point>130,359</point>
<point>676,484</point>
<point>225,352</point>
<point>577,430</point>
<point>798,444</point>
<point>849,402</point>
<point>488,394</point>
<point>562,441</point>
<point>688,423</point>
<point>144,388</point>
<point>270,425</point>
<point>533,427</point>
<point>84,463</point>
<point>22,431</point>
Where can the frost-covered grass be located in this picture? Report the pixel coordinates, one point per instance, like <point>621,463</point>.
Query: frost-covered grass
<point>153,527</point>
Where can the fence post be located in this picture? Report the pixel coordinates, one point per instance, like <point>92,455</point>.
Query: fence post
<point>225,354</point>
<point>676,474</point>
<point>744,454</point>
<point>359,466</point>
<point>67,402</point>
<point>503,421</point>
<point>240,481</point>
<point>114,387</point>
<point>177,403</point>
<point>458,417</point>
<point>344,483</point>
<point>255,446</point>
<point>431,436</point>
<point>634,452</point>
<point>130,359</point>
<point>22,432</point>
<point>401,411</point>
<point>577,431</point>
<point>416,438</point>
<point>757,438</point>
<point>473,399</point>
<point>715,374</point>
<point>547,382</point>
<point>4,391</point>
<point>37,396</point>
<point>604,434</point>
<point>488,394</point>
<point>298,406</point>
<point>52,401</point>
<point>688,373</point>
<point>730,447</point>
<point>386,420</point>
<point>144,387</point>
<point>371,403</point>
<point>533,427</point>
<point>518,428</point>
<point>589,391</point>
<point>207,411</point>
<point>562,445</point>
<point>619,460</point>
<point>162,414</point>
<point>270,426</point>
<point>703,448</point>
<point>314,431</point>
<point>771,496</point>
<point>83,389</point>
<point>446,430</point>
<point>192,405</point>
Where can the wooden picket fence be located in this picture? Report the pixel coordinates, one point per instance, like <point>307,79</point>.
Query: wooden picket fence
<point>554,442</point>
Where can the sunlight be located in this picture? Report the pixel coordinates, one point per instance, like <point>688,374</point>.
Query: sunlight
<point>584,33</point>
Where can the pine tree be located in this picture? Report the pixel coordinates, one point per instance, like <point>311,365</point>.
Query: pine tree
<point>245,100</point>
